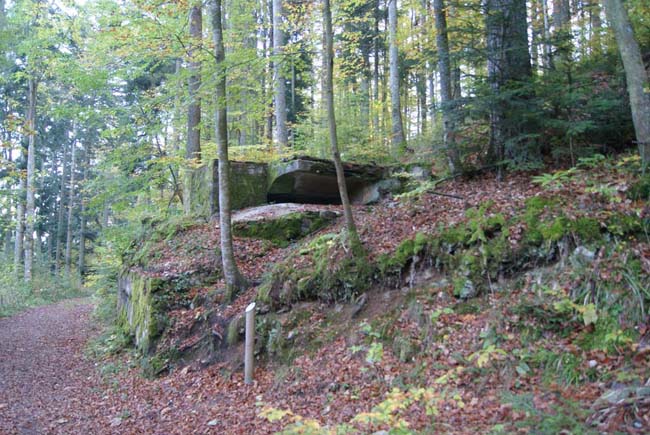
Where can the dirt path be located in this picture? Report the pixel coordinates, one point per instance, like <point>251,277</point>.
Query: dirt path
<point>44,376</point>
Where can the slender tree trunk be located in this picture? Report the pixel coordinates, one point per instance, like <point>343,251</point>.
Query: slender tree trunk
<point>562,30</point>
<point>20,228</point>
<point>375,72</point>
<point>281,132</point>
<point>71,193</point>
<point>82,221</point>
<point>431,83</point>
<point>193,147</point>
<point>595,23</point>
<point>398,140</point>
<point>59,225</point>
<point>353,241</point>
<point>30,212</point>
<point>234,279</point>
<point>548,57</point>
<point>638,85</point>
<point>177,120</point>
<point>271,69</point>
<point>446,100</point>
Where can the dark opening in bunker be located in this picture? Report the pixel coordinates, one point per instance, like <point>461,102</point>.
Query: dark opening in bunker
<point>312,188</point>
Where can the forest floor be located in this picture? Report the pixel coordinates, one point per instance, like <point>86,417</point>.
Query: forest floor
<point>522,358</point>
<point>44,376</point>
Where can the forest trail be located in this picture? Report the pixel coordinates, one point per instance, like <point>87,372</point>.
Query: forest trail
<point>44,376</point>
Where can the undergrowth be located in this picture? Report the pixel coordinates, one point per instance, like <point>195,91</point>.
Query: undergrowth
<point>16,295</point>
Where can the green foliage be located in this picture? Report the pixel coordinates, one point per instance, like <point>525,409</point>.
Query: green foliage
<point>390,413</point>
<point>566,416</point>
<point>640,190</point>
<point>16,295</point>
<point>555,180</point>
<point>321,278</point>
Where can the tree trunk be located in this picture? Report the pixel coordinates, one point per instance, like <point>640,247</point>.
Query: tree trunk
<point>68,239</point>
<point>281,133</point>
<point>20,228</point>
<point>508,63</point>
<point>446,100</point>
<point>234,279</point>
<point>30,212</point>
<point>60,216</point>
<point>398,140</point>
<point>82,222</point>
<point>193,147</point>
<point>638,86</point>
<point>375,72</point>
<point>353,241</point>
<point>548,57</point>
<point>562,30</point>
<point>595,23</point>
<point>271,70</point>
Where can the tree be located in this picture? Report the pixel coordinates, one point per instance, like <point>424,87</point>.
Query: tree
<point>638,86</point>
<point>71,195</point>
<point>398,139</point>
<point>234,279</point>
<point>30,212</point>
<point>193,147</point>
<point>353,241</point>
<point>444,69</point>
<point>280,98</point>
<point>508,67</point>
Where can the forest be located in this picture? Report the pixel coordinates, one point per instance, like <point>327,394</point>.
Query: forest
<point>325,217</point>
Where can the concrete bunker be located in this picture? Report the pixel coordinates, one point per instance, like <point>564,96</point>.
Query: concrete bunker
<point>308,180</point>
<point>303,180</point>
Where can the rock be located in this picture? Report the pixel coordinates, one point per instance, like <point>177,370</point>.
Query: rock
<point>328,214</point>
<point>359,303</point>
<point>419,173</point>
<point>213,422</point>
<point>115,422</point>
<point>584,254</point>
<point>468,291</point>
<point>286,294</point>
<point>381,432</point>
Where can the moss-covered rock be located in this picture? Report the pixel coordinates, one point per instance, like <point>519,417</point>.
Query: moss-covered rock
<point>284,229</point>
<point>142,308</point>
<point>330,274</point>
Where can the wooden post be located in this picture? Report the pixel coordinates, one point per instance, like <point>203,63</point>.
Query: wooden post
<point>250,343</point>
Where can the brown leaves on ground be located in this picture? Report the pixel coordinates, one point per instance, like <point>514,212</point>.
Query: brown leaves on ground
<point>48,386</point>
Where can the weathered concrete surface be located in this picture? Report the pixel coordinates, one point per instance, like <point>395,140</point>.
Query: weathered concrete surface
<point>304,180</point>
<point>310,180</point>
<point>248,185</point>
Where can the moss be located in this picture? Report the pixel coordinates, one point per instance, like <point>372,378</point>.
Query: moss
<point>622,224</point>
<point>472,306</point>
<point>320,278</point>
<point>233,335</point>
<point>145,315</point>
<point>198,189</point>
<point>555,230</point>
<point>395,262</point>
<point>405,348</point>
<point>640,190</point>
<point>282,230</point>
<point>586,229</point>
<point>155,365</point>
